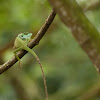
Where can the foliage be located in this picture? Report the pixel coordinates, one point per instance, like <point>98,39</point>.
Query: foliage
<point>68,70</point>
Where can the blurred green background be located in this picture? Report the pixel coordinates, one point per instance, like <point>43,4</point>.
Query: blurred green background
<point>69,73</point>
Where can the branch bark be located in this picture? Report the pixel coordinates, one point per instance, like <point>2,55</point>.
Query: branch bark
<point>94,6</point>
<point>19,89</point>
<point>91,93</point>
<point>85,33</point>
<point>33,43</point>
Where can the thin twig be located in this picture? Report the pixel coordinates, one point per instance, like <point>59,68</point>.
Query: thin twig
<point>33,43</point>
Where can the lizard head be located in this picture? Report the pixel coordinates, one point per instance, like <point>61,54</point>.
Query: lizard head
<point>25,36</point>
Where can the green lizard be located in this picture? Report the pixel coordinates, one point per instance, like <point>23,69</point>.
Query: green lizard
<point>20,43</point>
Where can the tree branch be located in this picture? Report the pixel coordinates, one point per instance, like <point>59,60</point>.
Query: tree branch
<point>91,93</point>
<point>93,6</point>
<point>85,33</point>
<point>33,43</point>
<point>19,89</point>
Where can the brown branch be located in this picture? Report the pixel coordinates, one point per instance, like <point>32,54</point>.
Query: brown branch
<point>33,43</point>
<point>9,45</point>
<point>93,6</point>
<point>91,93</point>
<point>82,29</point>
<point>19,89</point>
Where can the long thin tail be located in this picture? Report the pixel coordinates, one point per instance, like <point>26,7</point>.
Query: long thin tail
<point>43,77</point>
<point>34,54</point>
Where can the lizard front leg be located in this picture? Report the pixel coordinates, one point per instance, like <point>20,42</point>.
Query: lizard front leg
<point>15,53</point>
